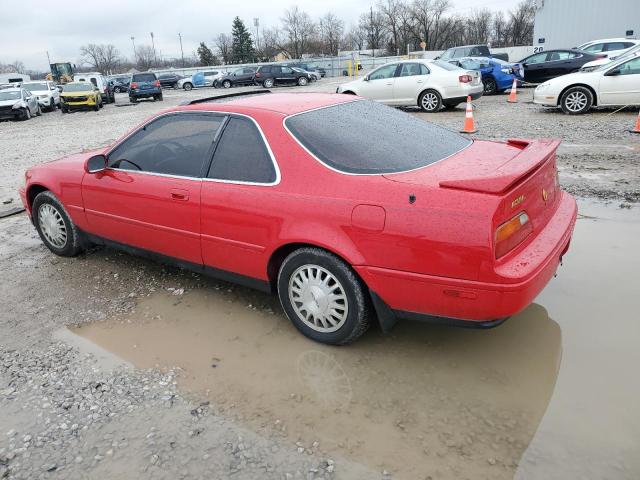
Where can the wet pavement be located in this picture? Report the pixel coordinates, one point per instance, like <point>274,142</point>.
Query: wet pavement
<point>552,393</point>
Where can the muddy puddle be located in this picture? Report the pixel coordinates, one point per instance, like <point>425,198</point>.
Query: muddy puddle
<point>552,393</point>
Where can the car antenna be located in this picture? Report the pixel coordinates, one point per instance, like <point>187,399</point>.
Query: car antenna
<point>228,95</point>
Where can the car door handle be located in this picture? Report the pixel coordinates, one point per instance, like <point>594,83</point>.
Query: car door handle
<point>419,81</point>
<point>179,195</point>
<point>390,83</point>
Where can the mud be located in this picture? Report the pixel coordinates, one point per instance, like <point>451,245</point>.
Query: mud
<point>547,395</point>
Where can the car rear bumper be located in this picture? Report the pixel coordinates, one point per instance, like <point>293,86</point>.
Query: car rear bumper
<point>145,93</point>
<point>475,303</point>
<point>456,100</point>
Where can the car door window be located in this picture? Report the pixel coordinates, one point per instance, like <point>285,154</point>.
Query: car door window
<point>177,144</point>
<point>286,70</point>
<point>388,71</point>
<point>424,70</point>
<point>611,46</point>
<point>242,155</point>
<point>410,69</point>
<point>538,58</point>
<point>632,67</point>
<point>274,70</point>
<point>595,48</point>
<point>555,56</point>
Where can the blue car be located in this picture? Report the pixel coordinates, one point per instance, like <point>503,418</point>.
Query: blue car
<point>144,85</point>
<point>497,75</point>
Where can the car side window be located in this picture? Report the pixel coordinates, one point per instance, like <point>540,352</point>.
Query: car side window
<point>555,56</point>
<point>175,144</point>
<point>286,70</point>
<point>538,58</point>
<point>632,67</point>
<point>424,70</point>
<point>595,48</point>
<point>388,71</point>
<point>275,70</point>
<point>410,69</point>
<point>265,69</point>
<point>241,155</point>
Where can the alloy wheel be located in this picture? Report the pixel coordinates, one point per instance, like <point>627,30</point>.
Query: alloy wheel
<point>429,101</point>
<point>318,298</point>
<point>576,101</point>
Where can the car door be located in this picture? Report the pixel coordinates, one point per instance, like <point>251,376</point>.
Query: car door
<point>149,196</point>
<point>247,76</point>
<point>620,85</point>
<point>286,75</point>
<point>238,194</point>
<point>559,62</point>
<point>535,67</point>
<point>410,79</point>
<point>378,85</point>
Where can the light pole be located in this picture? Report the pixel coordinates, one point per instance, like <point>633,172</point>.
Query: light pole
<point>181,51</point>
<point>134,48</point>
<point>153,45</point>
<point>256,23</point>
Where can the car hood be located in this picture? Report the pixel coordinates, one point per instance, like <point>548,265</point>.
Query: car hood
<point>354,83</point>
<point>8,103</point>
<point>40,92</point>
<point>74,160</point>
<point>76,94</point>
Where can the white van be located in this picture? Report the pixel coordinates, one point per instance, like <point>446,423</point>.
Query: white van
<point>99,81</point>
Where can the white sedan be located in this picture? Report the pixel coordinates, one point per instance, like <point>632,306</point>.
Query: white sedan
<point>429,84</point>
<point>614,84</point>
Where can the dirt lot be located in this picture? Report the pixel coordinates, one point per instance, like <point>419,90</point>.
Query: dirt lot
<point>113,367</point>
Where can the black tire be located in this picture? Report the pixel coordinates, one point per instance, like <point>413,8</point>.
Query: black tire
<point>576,100</point>
<point>490,86</point>
<point>159,97</point>
<point>357,302</point>
<point>226,84</point>
<point>97,107</point>
<point>64,109</point>
<point>26,114</point>
<point>302,81</point>
<point>187,86</point>
<point>52,105</point>
<point>268,83</point>
<point>430,101</point>
<point>133,99</point>
<point>72,245</point>
<point>117,90</point>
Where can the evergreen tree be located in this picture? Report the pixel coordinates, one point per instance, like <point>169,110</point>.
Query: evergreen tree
<point>205,55</point>
<point>242,44</point>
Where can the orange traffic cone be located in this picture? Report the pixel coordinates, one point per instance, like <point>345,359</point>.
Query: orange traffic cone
<point>636,129</point>
<point>513,96</point>
<point>469,125</point>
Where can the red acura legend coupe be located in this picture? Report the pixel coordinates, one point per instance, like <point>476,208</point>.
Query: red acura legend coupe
<point>352,212</point>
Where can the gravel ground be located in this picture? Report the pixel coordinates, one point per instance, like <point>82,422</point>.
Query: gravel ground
<point>68,414</point>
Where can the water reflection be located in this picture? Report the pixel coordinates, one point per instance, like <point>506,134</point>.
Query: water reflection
<point>425,400</point>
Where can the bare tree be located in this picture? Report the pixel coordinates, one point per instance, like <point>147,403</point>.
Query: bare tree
<point>16,67</point>
<point>499,28</point>
<point>430,22</point>
<point>372,24</point>
<point>355,39</point>
<point>521,23</point>
<point>299,29</point>
<point>331,33</point>
<point>478,26</point>
<point>145,56</point>
<point>224,44</point>
<point>104,58</point>
<point>271,44</point>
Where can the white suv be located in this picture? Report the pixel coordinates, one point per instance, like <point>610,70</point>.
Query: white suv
<point>46,92</point>
<point>429,84</point>
<point>98,81</point>
<point>609,47</point>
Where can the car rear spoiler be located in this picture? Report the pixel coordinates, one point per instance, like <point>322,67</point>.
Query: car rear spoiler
<point>534,154</point>
<point>228,95</point>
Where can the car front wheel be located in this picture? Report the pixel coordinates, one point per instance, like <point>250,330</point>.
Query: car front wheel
<point>188,86</point>
<point>226,84</point>
<point>323,297</point>
<point>490,86</point>
<point>302,81</point>
<point>576,100</point>
<point>430,101</point>
<point>54,225</point>
<point>268,83</point>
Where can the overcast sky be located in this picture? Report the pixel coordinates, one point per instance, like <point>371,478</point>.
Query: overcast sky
<point>31,27</point>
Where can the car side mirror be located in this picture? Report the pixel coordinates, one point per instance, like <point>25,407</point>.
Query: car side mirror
<point>96,164</point>
<point>613,73</point>
<point>366,78</point>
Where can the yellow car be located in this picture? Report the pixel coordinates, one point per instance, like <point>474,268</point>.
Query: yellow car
<point>76,95</point>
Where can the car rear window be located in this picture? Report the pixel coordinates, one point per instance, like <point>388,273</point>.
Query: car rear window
<point>445,65</point>
<point>365,137</point>
<point>144,77</point>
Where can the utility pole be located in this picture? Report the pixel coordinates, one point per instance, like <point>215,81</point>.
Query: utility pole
<point>256,23</point>
<point>48,59</point>
<point>135,59</point>
<point>153,45</point>
<point>181,51</point>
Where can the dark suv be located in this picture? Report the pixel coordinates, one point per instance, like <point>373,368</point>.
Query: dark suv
<point>144,85</point>
<point>169,80</point>
<point>270,75</point>
<point>309,68</point>
<point>240,76</point>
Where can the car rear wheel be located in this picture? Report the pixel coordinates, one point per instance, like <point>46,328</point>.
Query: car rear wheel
<point>430,101</point>
<point>226,84</point>
<point>268,83</point>
<point>188,86</point>
<point>302,81</point>
<point>490,86</point>
<point>54,225</point>
<point>323,297</point>
<point>576,100</point>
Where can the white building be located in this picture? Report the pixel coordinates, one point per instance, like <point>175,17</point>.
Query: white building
<point>568,23</point>
<point>14,77</point>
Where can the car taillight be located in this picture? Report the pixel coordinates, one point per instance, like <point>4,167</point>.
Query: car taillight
<point>134,85</point>
<point>157,83</point>
<point>510,234</point>
<point>465,78</point>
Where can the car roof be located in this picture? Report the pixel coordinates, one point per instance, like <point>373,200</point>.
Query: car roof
<point>619,39</point>
<point>282,103</point>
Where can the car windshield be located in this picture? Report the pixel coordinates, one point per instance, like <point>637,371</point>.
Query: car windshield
<point>445,65</point>
<point>9,95</point>
<point>618,61</point>
<point>78,87</point>
<point>33,87</point>
<point>365,137</point>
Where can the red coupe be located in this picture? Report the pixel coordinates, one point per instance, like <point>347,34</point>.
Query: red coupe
<point>351,211</point>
